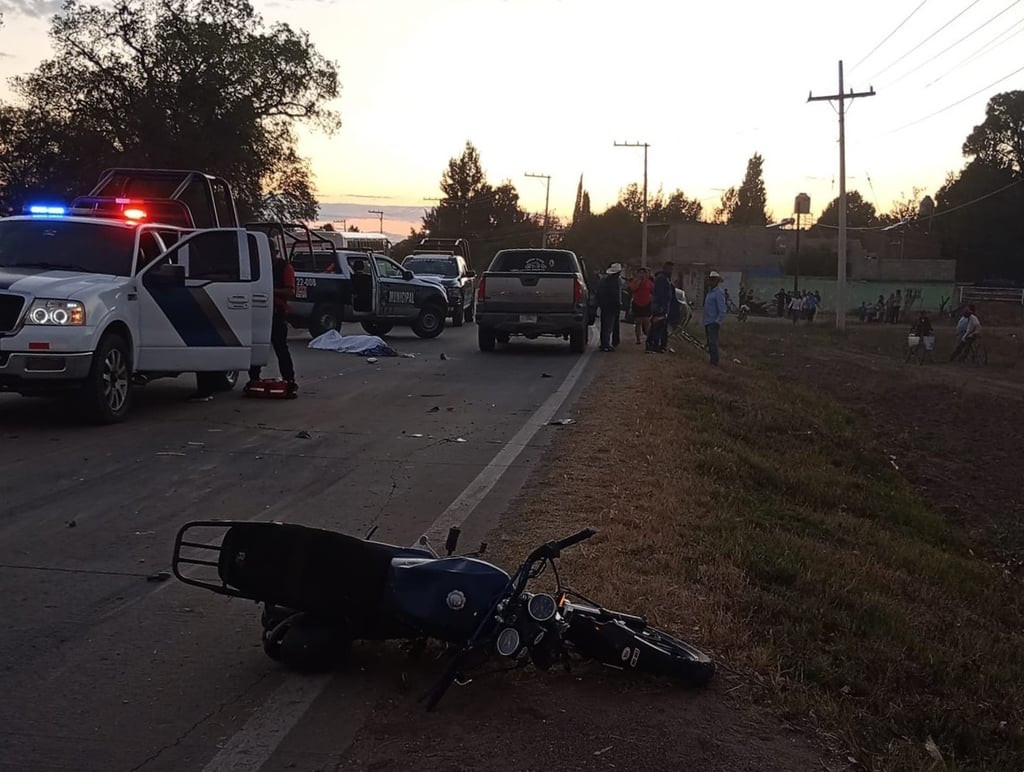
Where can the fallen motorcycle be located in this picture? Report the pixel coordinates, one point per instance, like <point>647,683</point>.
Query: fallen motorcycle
<point>321,590</point>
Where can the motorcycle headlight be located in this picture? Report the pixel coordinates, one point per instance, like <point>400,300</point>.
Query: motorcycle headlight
<point>541,607</point>
<point>56,313</point>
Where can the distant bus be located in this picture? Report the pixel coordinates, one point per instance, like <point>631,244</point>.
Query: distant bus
<point>374,242</point>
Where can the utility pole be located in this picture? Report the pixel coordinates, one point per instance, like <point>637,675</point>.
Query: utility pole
<point>380,216</point>
<point>547,197</point>
<point>841,97</point>
<point>643,238</point>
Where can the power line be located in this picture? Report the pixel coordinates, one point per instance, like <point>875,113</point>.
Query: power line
<point>886,38</point>
<point>992,45</point>
<point>954,45</point>
<point>955,104</point>
<point>912,50</point>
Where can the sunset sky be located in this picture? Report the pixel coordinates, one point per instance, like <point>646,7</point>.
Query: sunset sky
<point>548,86</point>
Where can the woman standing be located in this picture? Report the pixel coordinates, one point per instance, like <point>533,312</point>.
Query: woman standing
<point>641,289</point>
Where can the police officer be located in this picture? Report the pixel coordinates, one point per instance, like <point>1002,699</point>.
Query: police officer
<point>284,290</point>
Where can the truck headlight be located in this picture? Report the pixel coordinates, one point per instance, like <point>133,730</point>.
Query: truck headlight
<point>58,313</point>
<point>453,292</point>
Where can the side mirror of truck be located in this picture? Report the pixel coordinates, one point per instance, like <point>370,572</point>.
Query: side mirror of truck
<point>166,275</point>
<point>407,274</point>
<point>470,274</point>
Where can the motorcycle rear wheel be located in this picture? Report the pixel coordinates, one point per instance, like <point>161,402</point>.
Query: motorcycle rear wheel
<point>307,644</point>
<point>639,648</point>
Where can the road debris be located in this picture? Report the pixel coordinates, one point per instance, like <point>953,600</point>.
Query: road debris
<point>444,357</point>
<point>159,576</point>
<point>170,453</point>
<point>603,750</point>
<point>304,435</point>
<point>562,422</point>
<point>546,375</point>
<point>434,409</point>
<point>372,360</point>
<point>72,523</point>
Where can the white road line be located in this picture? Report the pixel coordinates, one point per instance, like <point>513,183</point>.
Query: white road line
<point>459,510</point>
<point>250,748</point>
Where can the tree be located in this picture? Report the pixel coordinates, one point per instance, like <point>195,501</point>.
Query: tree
<point>613,235</point>
<point>676,208</point>
<point>751,197</point>
<point>905,208</point>
<point>998,141</point>
<point>859,213</point>
<point>474,209</point>
<point>577,209</point>
<point>585,208</point>
<point>181,83</point>
<point>726,206</point>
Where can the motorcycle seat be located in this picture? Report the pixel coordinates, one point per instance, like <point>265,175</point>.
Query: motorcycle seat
<point>306,569</point>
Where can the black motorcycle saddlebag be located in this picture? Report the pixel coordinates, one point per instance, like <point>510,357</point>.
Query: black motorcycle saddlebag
<point>306,569</point>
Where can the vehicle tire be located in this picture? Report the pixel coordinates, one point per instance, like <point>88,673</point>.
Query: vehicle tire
<point>471,312</point>
<point>578,340</point>
<point>504,338</point>
<point>308,644</point>
<point>217,382</point>
<point>647,650</point>
<point>458,317</point>
<point>430,322</point>
<point>380,329</point>
<point>486,338</point>
<point>107,392</point>
<point>325,317</point>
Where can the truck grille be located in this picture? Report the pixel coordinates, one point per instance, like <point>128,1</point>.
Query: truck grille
<point>10,310</point>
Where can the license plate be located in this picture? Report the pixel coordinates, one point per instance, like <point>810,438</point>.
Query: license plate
<point>528,318</point>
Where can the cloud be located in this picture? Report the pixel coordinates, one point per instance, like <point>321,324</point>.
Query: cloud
<point>36,9</point>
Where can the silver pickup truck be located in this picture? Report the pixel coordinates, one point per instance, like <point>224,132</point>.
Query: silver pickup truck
<point>534,292</point>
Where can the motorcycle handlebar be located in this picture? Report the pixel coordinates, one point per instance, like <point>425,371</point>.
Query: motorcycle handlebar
<point>570,541</point>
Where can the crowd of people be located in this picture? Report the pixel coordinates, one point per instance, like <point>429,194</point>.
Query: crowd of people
<point>656,306</point>
<point>797,305</point>
<point>888,311</point>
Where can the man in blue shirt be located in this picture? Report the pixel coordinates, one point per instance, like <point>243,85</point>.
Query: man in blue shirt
<point>661,306</point>
<point>714,313</point>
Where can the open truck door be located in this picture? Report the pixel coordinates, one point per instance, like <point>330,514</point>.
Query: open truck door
<point>195,305</point>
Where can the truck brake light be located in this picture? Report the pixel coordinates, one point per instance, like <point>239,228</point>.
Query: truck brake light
<point>481,290</point>
<point>577,291</point>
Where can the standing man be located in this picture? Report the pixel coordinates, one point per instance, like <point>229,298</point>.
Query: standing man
<point>661,302</point>
<point>284,290</point>
<point>609,301</point>
<point>715,311</point>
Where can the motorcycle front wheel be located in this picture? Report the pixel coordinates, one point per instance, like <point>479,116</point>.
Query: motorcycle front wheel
<point>605,638</point>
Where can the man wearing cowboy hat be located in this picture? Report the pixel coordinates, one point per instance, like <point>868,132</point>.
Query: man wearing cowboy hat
<point>609,300</point>
<point>715,311</point>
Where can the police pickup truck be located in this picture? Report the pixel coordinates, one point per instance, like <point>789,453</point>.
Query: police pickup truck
<point>447,261</point>
<point>333,286</point>
<point>148,276</point>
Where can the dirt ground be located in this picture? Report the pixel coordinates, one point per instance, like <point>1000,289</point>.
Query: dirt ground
<point>954,430</point>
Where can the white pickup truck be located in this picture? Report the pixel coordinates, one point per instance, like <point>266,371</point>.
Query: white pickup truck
<point>99,297</point>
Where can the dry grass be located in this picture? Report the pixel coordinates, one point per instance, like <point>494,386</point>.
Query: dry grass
<point>758,518</point>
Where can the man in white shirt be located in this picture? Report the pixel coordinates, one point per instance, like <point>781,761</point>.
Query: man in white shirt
<point>971,333</point>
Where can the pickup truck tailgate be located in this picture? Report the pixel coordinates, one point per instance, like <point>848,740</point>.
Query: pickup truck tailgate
<point>530,292</point>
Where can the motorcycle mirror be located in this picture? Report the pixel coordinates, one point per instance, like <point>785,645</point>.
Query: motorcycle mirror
<point>453,539</point>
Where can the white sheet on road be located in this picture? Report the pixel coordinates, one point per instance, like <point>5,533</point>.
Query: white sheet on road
<point>363,345</point>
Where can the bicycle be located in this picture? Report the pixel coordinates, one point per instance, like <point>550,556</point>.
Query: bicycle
<point>976,353</point>
<point>920,348</point>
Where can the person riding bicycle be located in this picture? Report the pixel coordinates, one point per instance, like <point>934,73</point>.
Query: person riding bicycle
<point>971,333</point>
<point>922,329</point>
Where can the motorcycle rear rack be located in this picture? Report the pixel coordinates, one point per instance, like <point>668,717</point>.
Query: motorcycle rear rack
<point>205,555</point>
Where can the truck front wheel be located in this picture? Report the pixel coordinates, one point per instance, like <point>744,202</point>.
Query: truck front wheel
<point>107,392</point>
<point>430,322</point>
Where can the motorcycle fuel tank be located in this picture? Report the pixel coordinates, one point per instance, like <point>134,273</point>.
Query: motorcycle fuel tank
<point>445,598</point>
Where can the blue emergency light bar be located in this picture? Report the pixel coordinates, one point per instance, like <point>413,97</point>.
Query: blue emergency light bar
<point>43,209</point>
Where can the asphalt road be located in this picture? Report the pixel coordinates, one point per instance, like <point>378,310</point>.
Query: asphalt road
<point>101,669</point>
